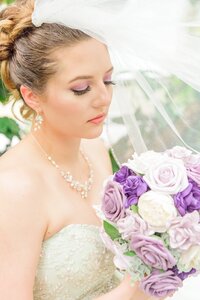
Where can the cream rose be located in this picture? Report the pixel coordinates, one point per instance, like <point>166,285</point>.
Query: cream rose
<point>190,259</point>
<point>168,175</point>
<point>141,163</point>
<point>157,210</point>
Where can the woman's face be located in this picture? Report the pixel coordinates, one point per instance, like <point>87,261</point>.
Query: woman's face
<point>80,91</point>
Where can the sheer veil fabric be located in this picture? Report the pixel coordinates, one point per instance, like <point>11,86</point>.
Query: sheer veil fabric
<point>154,46</point>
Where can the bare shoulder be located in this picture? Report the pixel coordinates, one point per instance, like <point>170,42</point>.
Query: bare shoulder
<point>18,192</point>
<point>19,187</point>
<point>16,176</point>
<point>99,153</point>
<point>22,229</point>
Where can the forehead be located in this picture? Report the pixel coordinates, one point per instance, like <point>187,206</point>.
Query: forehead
<point>87,57</point>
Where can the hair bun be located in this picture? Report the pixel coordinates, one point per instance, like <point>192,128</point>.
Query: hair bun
<point>14,19</point>
<point>6,26</point>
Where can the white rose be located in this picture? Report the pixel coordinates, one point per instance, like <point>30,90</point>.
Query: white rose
<point>141,163</point>
<point>157,210</point>
<point>190,259</point>
<point>168,175</point>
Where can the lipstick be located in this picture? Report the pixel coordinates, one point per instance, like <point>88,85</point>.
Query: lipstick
<point>97,120</point>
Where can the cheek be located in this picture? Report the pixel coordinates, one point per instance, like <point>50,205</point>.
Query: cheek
<point>66,107</point>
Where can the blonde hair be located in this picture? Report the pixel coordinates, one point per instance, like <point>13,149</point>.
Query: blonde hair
<point>25,50</point>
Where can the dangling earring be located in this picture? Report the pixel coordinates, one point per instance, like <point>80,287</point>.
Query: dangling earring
<point>38,122</point>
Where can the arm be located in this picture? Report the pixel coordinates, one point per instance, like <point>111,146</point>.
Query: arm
<point>20,240</point>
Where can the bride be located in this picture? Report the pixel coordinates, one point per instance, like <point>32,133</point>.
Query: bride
<point>51,181</point>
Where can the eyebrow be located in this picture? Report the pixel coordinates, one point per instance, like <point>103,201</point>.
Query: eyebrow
<point>87,76</point>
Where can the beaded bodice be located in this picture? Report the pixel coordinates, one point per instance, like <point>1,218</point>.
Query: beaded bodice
<point>74,264</point>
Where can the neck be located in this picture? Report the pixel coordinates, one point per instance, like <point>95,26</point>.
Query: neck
<point>64,150</point>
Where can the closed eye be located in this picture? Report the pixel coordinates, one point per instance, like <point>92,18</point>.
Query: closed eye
<point>82,92</point>
<point>109,82</point>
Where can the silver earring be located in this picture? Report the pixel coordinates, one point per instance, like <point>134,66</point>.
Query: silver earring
<point>38,122</point>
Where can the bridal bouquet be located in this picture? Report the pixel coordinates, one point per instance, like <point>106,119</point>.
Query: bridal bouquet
<point>151,209</point>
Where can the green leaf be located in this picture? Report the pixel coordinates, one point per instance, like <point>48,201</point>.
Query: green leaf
<point>134,208</point>
<point>111,230</point>
<point>157,237</point>
<point>130,253</point>
<point>3,93</point>
<point>9,127</point>
<point>115,166</point>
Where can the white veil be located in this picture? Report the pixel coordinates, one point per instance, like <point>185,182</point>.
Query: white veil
<point>155,49</point>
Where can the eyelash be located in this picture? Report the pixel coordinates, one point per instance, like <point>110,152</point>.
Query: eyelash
<point>79,93</point>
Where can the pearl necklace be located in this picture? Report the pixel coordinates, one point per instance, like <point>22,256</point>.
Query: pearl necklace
<point>82,188</point>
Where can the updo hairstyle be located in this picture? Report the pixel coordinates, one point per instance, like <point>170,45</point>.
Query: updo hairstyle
<point>25,50</point>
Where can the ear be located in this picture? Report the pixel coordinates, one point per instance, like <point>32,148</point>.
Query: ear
<point>30,98</point>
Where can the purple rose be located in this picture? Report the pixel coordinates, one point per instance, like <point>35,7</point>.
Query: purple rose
<point>133,188</point>
<point>113,201</point>
<point>189,199</point>
<point>121,175</point>
<point>152,252</point>
<point>183,275</point>
<point>161,285</point>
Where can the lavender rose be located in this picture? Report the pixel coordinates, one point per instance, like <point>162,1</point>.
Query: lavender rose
<point>179,153</point>
<point>133,188</point>
<point>161,285</point>
<point>185,231</point>
<point>189,199</point>
<point>113,201</point>
<point>152,252</point>
<point>193,167</point>
<point>132,224</point>
<point>121,175</point>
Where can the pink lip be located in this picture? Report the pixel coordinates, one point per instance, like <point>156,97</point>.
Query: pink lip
<point>98,119</point>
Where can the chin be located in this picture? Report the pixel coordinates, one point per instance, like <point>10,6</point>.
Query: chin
<point>95,133</point>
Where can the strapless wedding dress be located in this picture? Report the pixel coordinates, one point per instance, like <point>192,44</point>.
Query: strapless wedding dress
<point>75,265</point>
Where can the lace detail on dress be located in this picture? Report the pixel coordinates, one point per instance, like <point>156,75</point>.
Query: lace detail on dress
<point>74,265</point>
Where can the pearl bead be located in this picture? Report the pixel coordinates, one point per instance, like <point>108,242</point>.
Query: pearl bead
<point>82,188</point>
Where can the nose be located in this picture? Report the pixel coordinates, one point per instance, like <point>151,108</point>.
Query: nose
<point>103,96</point>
